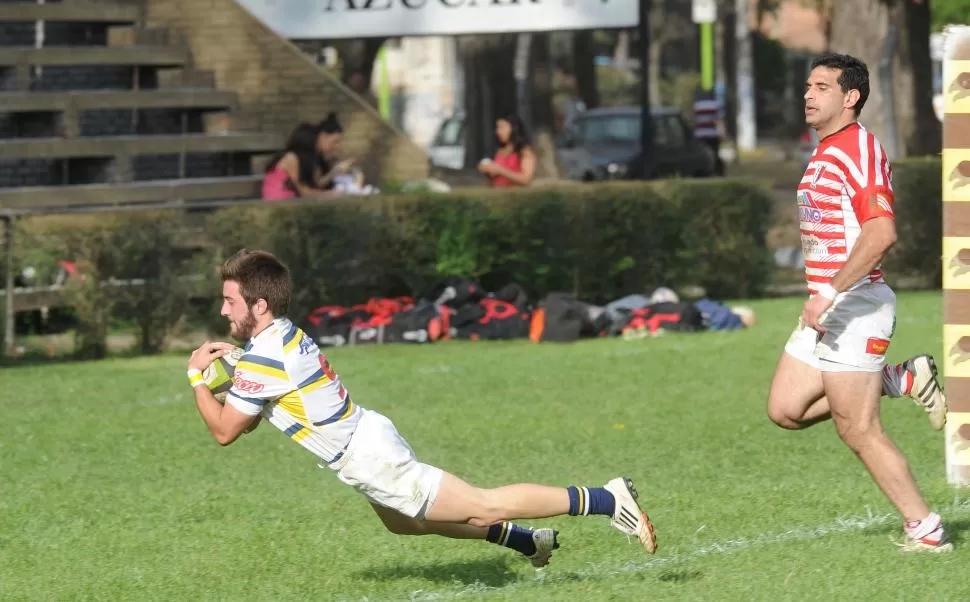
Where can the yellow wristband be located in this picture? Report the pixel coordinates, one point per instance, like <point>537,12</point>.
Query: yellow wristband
<point>195,377</point>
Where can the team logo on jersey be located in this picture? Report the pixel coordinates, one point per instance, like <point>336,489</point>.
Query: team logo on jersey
<point>879,202</point>
<point>807,211</point>
<point>818,174</point>
<point>307,346</point>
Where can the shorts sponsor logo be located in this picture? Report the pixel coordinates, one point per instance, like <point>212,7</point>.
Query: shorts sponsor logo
<point>876,346</point>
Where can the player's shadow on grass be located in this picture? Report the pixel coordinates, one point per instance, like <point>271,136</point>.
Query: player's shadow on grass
<point>958,530</point>
<point>680,576</point>
<point>489,572</point>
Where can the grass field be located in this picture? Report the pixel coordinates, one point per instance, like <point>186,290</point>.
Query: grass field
<point>112,489</point>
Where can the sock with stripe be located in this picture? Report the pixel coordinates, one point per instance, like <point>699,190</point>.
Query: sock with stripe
<point>897,381</point>
<point>510,535</point>
<point>590,500</point>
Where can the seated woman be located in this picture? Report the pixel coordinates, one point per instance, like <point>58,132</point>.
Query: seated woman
<point>515,161</point>
<point>329,137</point>
<point>291,173</point>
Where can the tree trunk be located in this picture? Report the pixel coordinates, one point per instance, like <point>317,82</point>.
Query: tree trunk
<point>920,131</point>
<point>659,34</point>
<point>729,63</point>
<point>621,52</point>
<point>471,51</point>
<point>358,56</point>
<point>584,66</point>
<point>489,90</point>
<point>523,91</point>
<point>543,117</point>
<point>500,75</point>
<point>859,28</point>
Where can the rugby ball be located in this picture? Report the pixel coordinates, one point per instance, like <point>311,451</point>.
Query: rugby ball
<point>218,376</point>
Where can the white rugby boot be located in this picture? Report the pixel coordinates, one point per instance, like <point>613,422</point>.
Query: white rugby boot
<point>546,541</point>
<point>926,391</point>
<point>628,517</point>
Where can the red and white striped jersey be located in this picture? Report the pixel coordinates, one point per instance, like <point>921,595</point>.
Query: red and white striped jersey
<point>847,182</point>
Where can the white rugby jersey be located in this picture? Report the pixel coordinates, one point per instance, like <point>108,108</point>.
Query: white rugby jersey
<point>284,376</point>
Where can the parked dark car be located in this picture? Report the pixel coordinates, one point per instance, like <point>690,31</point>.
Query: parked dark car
<point>609,139</point>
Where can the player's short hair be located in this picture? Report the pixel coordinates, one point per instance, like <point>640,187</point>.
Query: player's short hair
<point>260,275</point>
<point>854,75</point>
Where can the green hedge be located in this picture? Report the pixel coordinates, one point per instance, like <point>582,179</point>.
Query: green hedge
<point>599,242</point>
<point>915,260</point>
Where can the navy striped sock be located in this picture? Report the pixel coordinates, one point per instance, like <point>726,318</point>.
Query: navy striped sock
<point>590,500</point>
<point>512,536</point>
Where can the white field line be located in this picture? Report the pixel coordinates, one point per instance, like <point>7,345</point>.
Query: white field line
<point>839,526</point>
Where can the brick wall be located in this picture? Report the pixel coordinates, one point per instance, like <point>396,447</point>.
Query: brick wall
<point>278,85</point>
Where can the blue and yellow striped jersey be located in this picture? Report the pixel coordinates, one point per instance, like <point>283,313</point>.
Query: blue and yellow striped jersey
<point>284,376</point>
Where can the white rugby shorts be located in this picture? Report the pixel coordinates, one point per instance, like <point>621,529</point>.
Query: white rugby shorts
<point>858,330</point>
<point>381,466</point>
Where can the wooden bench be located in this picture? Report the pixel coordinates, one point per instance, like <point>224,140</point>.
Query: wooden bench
<point>88,100</point>
<point>67,12</point>
<point>152,191</point>
<point>162,144</point>
<point>65,56</point>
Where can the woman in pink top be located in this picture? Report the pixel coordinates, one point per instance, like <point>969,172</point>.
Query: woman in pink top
<point>515,161</point>
<point>291,172</point>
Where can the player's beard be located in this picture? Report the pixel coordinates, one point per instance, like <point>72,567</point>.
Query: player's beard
<point>243,331</point>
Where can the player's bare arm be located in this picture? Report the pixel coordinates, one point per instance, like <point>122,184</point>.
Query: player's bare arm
<point>877,237</point>
<point>225,422</point>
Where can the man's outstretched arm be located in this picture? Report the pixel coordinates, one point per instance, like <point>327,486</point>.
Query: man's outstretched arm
<point>225,422</point>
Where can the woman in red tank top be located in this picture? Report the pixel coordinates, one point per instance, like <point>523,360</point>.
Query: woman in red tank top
<point>515,161</point>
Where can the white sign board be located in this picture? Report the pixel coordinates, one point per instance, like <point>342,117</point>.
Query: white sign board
<point>334,19</point>
<point>704,11</point>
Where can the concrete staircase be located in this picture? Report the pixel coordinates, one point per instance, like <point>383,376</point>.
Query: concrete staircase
<point>103,110</point>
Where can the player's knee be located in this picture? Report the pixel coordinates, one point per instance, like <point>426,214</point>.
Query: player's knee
<point>487,509</point>
<point>407,527</point>
<point>856,434</point>
<point>778,414</point>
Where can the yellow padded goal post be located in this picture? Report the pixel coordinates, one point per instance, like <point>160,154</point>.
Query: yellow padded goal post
<point>956,250</point>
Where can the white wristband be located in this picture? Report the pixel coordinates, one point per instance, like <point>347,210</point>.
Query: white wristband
<point>827,291</point>
<point>195,377</point>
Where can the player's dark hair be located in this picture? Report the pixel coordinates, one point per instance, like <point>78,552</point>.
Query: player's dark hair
<point>260,276</point>
<point>854,75</point>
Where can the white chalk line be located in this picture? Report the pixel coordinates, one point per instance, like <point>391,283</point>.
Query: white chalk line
<point>839,526</point>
